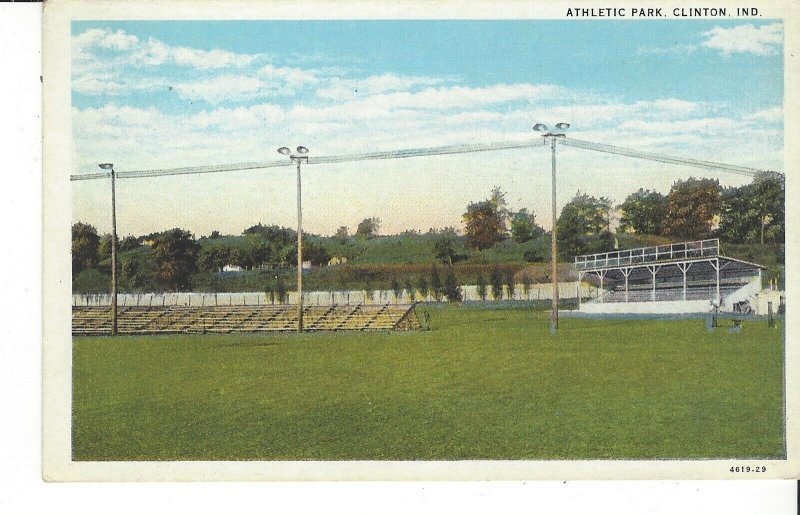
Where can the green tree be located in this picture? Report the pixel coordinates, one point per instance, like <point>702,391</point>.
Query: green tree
<point>526,283</point>
<point>342,235</point>
<point>273,233</point>
<point>481,280</point>
<point>770,204</point>
<point>236,257</point>
<point>496,280</point>
<point>754,212</point>
<point>213,257</point>
<point>691,208</point>
<point>280,289</point>
<point>128,243</point>
<point>394,285</point>
<point>643,212</point>
<point>422,285</point>
<point>524,227</point>
<point>444,250</point>
<point>85,242</point>
<point>436,283</point>
<point>316,253</point>
<point>451,288</point>
<point>256,251</point>
<point>510,283</point>
<point>583,224</point>
<point>135,274</point>
<point>368,227</point>
<point>104,247</point>
<point>175,252</point>
<point>410,290</point>
<point>91,280</point>
<point>484,224</point>
<point>534,255</point>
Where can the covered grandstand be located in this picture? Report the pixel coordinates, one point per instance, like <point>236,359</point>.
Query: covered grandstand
<point>686,277</point>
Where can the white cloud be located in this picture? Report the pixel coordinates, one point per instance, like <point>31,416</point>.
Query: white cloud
<point>769,115</point>
<point>152,52</point>
<point>222,88</point>
<point>96,84</point>
<point>204,60</point>
<point>292,77</point>
<point>118,40</point>
<point>764,40</point>
<point>136,138</point>
<point>269,81</point>
<point>350,89</point>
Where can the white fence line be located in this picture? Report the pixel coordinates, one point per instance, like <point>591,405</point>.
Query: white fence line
<point>566,290</point>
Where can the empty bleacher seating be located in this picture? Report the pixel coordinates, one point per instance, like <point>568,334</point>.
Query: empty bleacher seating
<point>96,320</point>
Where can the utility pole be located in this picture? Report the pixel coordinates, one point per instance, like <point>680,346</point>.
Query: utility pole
<point>109,166</point>
<point>554,243</point>
<point>553,136</point>
<point>299,159</point>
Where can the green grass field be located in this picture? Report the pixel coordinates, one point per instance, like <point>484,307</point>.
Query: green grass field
<point>482,384</point>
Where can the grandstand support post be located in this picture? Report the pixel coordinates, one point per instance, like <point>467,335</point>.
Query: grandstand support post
<point>653,270</point>
<point>602,275</point>
<point>553,136</point>
<point>626,272</point>
<point>298,158</point>
<point>684,268</point>
<point>715,264</point>
<point>110,167</point>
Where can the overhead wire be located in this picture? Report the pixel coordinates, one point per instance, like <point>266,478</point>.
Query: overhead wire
<point>661,158</point>
<point>422,152</point>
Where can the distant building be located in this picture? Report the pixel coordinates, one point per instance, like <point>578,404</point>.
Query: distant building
<point>337,261</point>
<point>306,265</point>
<point>231,268</point>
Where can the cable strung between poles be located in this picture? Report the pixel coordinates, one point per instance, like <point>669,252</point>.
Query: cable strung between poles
<point>422,152</point>
<point>661,158</point>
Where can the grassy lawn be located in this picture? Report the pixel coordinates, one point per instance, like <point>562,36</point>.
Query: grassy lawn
<point>483,384</point>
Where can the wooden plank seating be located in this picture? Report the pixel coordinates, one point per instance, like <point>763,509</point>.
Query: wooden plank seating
<point>96,320</point>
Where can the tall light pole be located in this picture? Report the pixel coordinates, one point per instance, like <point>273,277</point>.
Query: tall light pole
<point>110,166</point>
<point>553,137</point>
<point>298,158</point>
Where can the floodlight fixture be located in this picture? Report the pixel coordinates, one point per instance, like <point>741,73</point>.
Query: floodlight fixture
<point>284,150</point>
<point>302,150</point>
<point>540,127</point>
<point>106,166</point>
<point>562,126</point>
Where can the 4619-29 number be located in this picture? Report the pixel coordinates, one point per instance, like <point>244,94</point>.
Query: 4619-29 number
<point>748,468</point>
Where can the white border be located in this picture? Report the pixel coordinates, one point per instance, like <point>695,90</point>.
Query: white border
<point>56,308</point>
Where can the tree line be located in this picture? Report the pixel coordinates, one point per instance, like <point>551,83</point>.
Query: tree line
<point>695,208</point>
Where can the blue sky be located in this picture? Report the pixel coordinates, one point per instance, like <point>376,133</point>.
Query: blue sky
<point>162,94</point>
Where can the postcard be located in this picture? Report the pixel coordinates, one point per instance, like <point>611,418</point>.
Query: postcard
<point>401,241</point>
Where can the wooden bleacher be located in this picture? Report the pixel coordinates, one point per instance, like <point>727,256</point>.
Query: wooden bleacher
<point>96,320</point>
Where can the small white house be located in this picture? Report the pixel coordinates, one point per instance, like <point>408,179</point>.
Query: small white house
<point>306,265</point>
<point>231,268</point>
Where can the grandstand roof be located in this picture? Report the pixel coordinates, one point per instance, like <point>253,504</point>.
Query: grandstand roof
<point>690,252</point>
